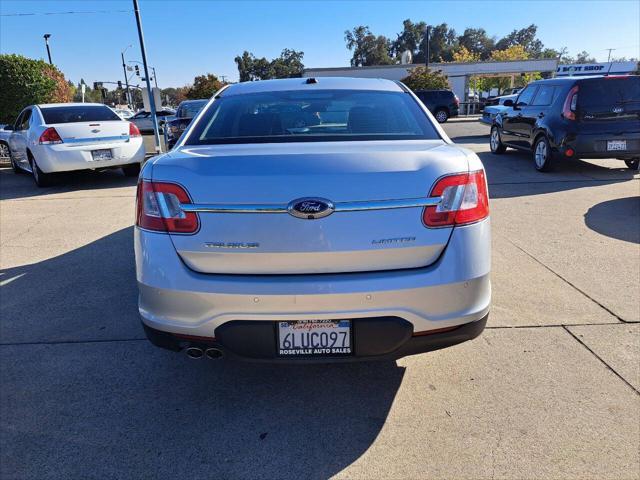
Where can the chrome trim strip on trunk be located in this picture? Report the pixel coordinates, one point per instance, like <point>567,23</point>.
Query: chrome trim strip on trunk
<point>339,207</point>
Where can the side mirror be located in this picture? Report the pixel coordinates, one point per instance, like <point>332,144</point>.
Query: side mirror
<point>508,103</point>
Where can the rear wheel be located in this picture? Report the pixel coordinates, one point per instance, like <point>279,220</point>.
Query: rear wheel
<point>633,164</point>
<point>495,143</point>
<point>42,179</point>
<point>132,170</point>
<point>542,154</point>
<point>442,115</point>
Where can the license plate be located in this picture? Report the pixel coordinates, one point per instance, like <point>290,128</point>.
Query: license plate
<point>101,155</point>
<point>314,337</point>
<point>616,145</point>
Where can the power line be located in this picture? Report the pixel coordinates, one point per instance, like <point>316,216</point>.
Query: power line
<point>62,13</point>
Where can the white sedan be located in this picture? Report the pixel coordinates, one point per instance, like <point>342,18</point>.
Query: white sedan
<point>63,137</point>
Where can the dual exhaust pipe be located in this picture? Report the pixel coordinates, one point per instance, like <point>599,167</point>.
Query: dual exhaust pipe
<point>210,353</point>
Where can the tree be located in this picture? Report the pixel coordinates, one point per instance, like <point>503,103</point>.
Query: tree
<point>526,38</point>
<point>442,42</point>
<point>411,38</point>
<point>175,95</point>
<point>421,78</point>
<point>24,81</point>
<point>584,57</point>
<point>287,65</point>
<point>515,52</point>
<point>476,41</point>
<point>461,54</point>
<point>367,48</point>
<point>204,86</point>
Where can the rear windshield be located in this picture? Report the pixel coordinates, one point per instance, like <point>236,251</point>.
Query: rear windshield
<point>81,113</point>
<point>609,92</point>
<point>318,116</point>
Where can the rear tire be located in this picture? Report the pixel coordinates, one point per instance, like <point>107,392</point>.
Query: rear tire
<point>633,164</point>
<point>495,142</point>
<point>441,115</point>
<point>542,155</point>
<point>42,179</point>
<point>132,170</point>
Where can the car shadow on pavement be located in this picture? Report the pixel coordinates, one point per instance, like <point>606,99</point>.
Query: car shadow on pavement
<point>619,218</point>
<point>14,186</point>
<point>84,392</point>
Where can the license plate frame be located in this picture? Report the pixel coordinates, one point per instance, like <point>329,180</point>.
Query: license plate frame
<point>616,145</point>
<point>312,338</point>
<point>101,155</point>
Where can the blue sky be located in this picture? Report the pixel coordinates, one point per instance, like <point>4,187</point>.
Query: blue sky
<point>187,38</point>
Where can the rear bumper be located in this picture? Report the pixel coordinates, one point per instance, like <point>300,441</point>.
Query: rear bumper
<point>454,291</point>
<point>69,157</point>
<point>587,145</point>
<point>384,338</point>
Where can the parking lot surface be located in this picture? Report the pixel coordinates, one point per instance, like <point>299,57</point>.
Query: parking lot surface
<point>551,389</point>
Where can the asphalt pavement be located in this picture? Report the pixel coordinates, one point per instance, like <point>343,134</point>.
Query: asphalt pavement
<point>551,389</point>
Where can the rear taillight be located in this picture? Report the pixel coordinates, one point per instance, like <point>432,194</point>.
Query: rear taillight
<point>464,200</point>
<point>570,103</point>
<point>456,100</point>
<point>158,208</point>
<point>49,137</point>
<point>133,130</point>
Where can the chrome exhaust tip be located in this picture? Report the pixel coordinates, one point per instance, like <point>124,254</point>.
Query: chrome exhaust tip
<point>194,352</point>
<point>213,353</point>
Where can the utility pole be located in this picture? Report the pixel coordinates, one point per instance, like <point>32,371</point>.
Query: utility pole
<point>152,103</point>
<point>610,50</point>
<point>426,49</point>
<point>46,41</point>
<point>126,78</point>
<point>155,79</point>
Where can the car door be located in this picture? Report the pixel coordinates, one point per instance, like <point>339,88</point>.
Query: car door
<point>19,138</point>
<point>518,122</point>
<point>540,109</point>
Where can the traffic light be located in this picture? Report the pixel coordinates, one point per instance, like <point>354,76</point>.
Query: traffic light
<point>119,84</point>
<point>97,85</point>
<point>137,70</point>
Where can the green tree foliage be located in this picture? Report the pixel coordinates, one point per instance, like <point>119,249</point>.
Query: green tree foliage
<point>24,81</point>
<point>287,65</point>
<point>368,49</point>
<point>421,78</point>
<point>526,38</point>
<point>442,43</point>
<point>477,42</point>
<point>204,86</point>
<point>411,38</point>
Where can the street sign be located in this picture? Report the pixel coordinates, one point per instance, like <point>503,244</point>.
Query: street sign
<point>156,98</point>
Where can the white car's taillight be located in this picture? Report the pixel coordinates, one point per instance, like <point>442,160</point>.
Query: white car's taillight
<point>134,131</point>
<point>464,200</point>
<point>49,137</point>
<point>158,208</point>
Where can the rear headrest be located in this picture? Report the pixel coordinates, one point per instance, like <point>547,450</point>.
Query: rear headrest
<point>367,120</point>
<point>259,125</point>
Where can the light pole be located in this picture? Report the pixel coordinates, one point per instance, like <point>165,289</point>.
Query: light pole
<point>126,79</point>
<point>426,50</point>
<point>155,79</point>
<point>152,103</point>
<point>46,42</point>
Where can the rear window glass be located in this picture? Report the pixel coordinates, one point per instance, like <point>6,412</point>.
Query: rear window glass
<point>318,116</point>
<point>81,113</point>
<point>609,92</point>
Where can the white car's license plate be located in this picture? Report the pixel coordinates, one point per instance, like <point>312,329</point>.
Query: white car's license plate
<point>314,337</point>
<point>101,155</point>
<point>616,145</point>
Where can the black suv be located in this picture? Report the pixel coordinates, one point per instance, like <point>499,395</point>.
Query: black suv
<point>575,117</point>
<point>185,113</point>
<point>443,104</point>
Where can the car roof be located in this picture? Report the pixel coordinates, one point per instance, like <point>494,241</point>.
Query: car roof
<point>320,83</point>
<point>71,104</point>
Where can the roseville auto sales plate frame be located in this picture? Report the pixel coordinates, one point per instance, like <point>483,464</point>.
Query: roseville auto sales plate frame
<point>314,338</point>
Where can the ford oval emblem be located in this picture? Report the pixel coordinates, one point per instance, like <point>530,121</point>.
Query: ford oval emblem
<point>310,208</point>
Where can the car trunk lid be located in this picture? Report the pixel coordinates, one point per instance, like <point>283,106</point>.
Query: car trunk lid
<point>84,133</point>
<point>241,194</point>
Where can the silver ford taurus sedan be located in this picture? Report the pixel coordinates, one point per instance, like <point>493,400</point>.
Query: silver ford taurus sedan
<point>307,220</point>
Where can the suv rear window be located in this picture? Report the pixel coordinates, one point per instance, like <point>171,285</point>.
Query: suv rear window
<point>317,116</point>
<point>608,94</point>
<point>80,113</point>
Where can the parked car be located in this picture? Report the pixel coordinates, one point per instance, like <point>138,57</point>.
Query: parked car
<point>573,117</point>
<point>490,113</point>
<point>143,121</point>
<point>443,104</point>
<point>185,113</point>
<point>308,219</point>
<point>62,137</point>
<point>124,113</point>
<point>500,100</point>
<point>4,144</point>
